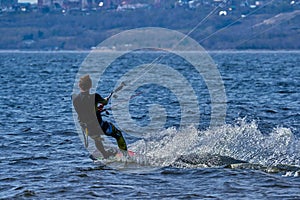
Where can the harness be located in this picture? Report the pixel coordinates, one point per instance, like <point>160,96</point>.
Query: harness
<point>85,133</point>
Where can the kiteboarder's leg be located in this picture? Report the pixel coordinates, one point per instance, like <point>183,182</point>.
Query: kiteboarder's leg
<point>119,137</point>
<point>111,130</point>
<point>100,147</point>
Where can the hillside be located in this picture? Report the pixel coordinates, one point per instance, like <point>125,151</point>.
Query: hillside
<point>82,31</point>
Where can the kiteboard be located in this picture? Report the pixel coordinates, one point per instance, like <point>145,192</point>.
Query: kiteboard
<point>127,153</point>
<point>122,159</point>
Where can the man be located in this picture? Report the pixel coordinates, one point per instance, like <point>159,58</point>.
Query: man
<point>89,116</point>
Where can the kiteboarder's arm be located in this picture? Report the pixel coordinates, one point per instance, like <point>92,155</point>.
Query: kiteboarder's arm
<point>101,100</point>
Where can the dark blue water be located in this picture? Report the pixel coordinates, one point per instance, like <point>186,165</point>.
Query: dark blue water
<point>42,155</point>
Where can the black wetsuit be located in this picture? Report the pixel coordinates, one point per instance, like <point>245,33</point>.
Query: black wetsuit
<point>85,105</point>
<point>90,117</point>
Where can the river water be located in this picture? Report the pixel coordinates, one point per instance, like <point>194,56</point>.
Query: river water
<point>43,157</point>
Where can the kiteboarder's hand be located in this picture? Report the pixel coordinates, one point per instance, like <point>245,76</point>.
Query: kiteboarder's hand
<point>107,98</point>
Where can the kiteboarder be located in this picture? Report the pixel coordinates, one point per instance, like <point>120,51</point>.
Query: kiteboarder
<point>89,108</point>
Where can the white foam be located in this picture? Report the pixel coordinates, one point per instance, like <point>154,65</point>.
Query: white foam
<point>242,141</point>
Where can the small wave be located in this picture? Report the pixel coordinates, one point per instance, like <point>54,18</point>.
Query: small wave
<point>18,192</point>
<point>87,169</point>
<point>291,173</point>
<point>268,169</point>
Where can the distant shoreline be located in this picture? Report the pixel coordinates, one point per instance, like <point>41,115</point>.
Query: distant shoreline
<point>56,32</point>
<point>3,51</point>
